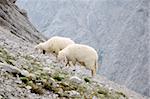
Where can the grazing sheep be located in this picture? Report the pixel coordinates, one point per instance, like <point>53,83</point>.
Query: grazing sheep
<point>54,44</point>
<point>83,54</point>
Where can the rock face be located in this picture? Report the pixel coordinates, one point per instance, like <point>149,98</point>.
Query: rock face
<point>11,17</point>
<point>118,29</point>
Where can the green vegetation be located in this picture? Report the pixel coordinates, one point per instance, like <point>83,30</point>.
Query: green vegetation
<point>5,57</point>
<point>60,84</point>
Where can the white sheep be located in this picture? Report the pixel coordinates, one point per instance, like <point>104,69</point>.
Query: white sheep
<point>54,44</point>
<point>83,54</point>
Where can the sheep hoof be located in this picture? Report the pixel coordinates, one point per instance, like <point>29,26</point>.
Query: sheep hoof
<point>43,51</point>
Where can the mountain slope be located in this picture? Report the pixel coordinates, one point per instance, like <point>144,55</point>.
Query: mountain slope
<point>26,74</point>
<point>118,29</point>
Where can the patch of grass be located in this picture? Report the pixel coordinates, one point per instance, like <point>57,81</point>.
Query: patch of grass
<point>47,86</point>
<point>36,89</point>
<point>6,57</point>
<point>10,62</point>
<point>58,77</point>
<point>120,93</point>
<point>104,92</point>
<point>27,57</point>
<point>24,79</point>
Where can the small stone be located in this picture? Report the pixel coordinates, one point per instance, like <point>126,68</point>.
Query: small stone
<point>44,80</point>
<point>60,90</point>
<point>76,79</point>
<point>94,97</point>
<point>75,94</point>
<point>28,87</point>
<point>72,93</point>
<point>18,81</point>
<point>46,69</point>
<point>39,84</point>
<point>51,80</point>
<point>39,81</point>
<point>33,76</point>
<point>55,85</point>
<point>25,73</point>
<point>110,88</point>
<point>1,97</point>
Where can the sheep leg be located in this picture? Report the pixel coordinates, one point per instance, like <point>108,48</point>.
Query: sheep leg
<point>44,52</point>
<point>67,63</point>
<point>73,61</point>
<point>93,72</point>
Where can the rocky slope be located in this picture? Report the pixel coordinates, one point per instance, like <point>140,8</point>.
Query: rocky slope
<point>26,74</point>
<point>118,29</point>
<point>15,20</point>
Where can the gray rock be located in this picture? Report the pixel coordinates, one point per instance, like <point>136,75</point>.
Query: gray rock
<point>24,12</point>
<point>28,87</point>
<point>60,90</point>
<point>51,80</point>
<point>76,79</point>
<point>25,73</point>
<point>33,76</point>
<point>46,69</point>
<point>1,97</point>
<point>9,68</point>
<point>18,81</point>
<point>14,70</point>
<point>22,28</point>
<point>72,93</point>
<point>94,97</point>
<point>55,85</point>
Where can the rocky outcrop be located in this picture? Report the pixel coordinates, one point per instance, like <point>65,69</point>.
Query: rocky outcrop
<point>15,20</point>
